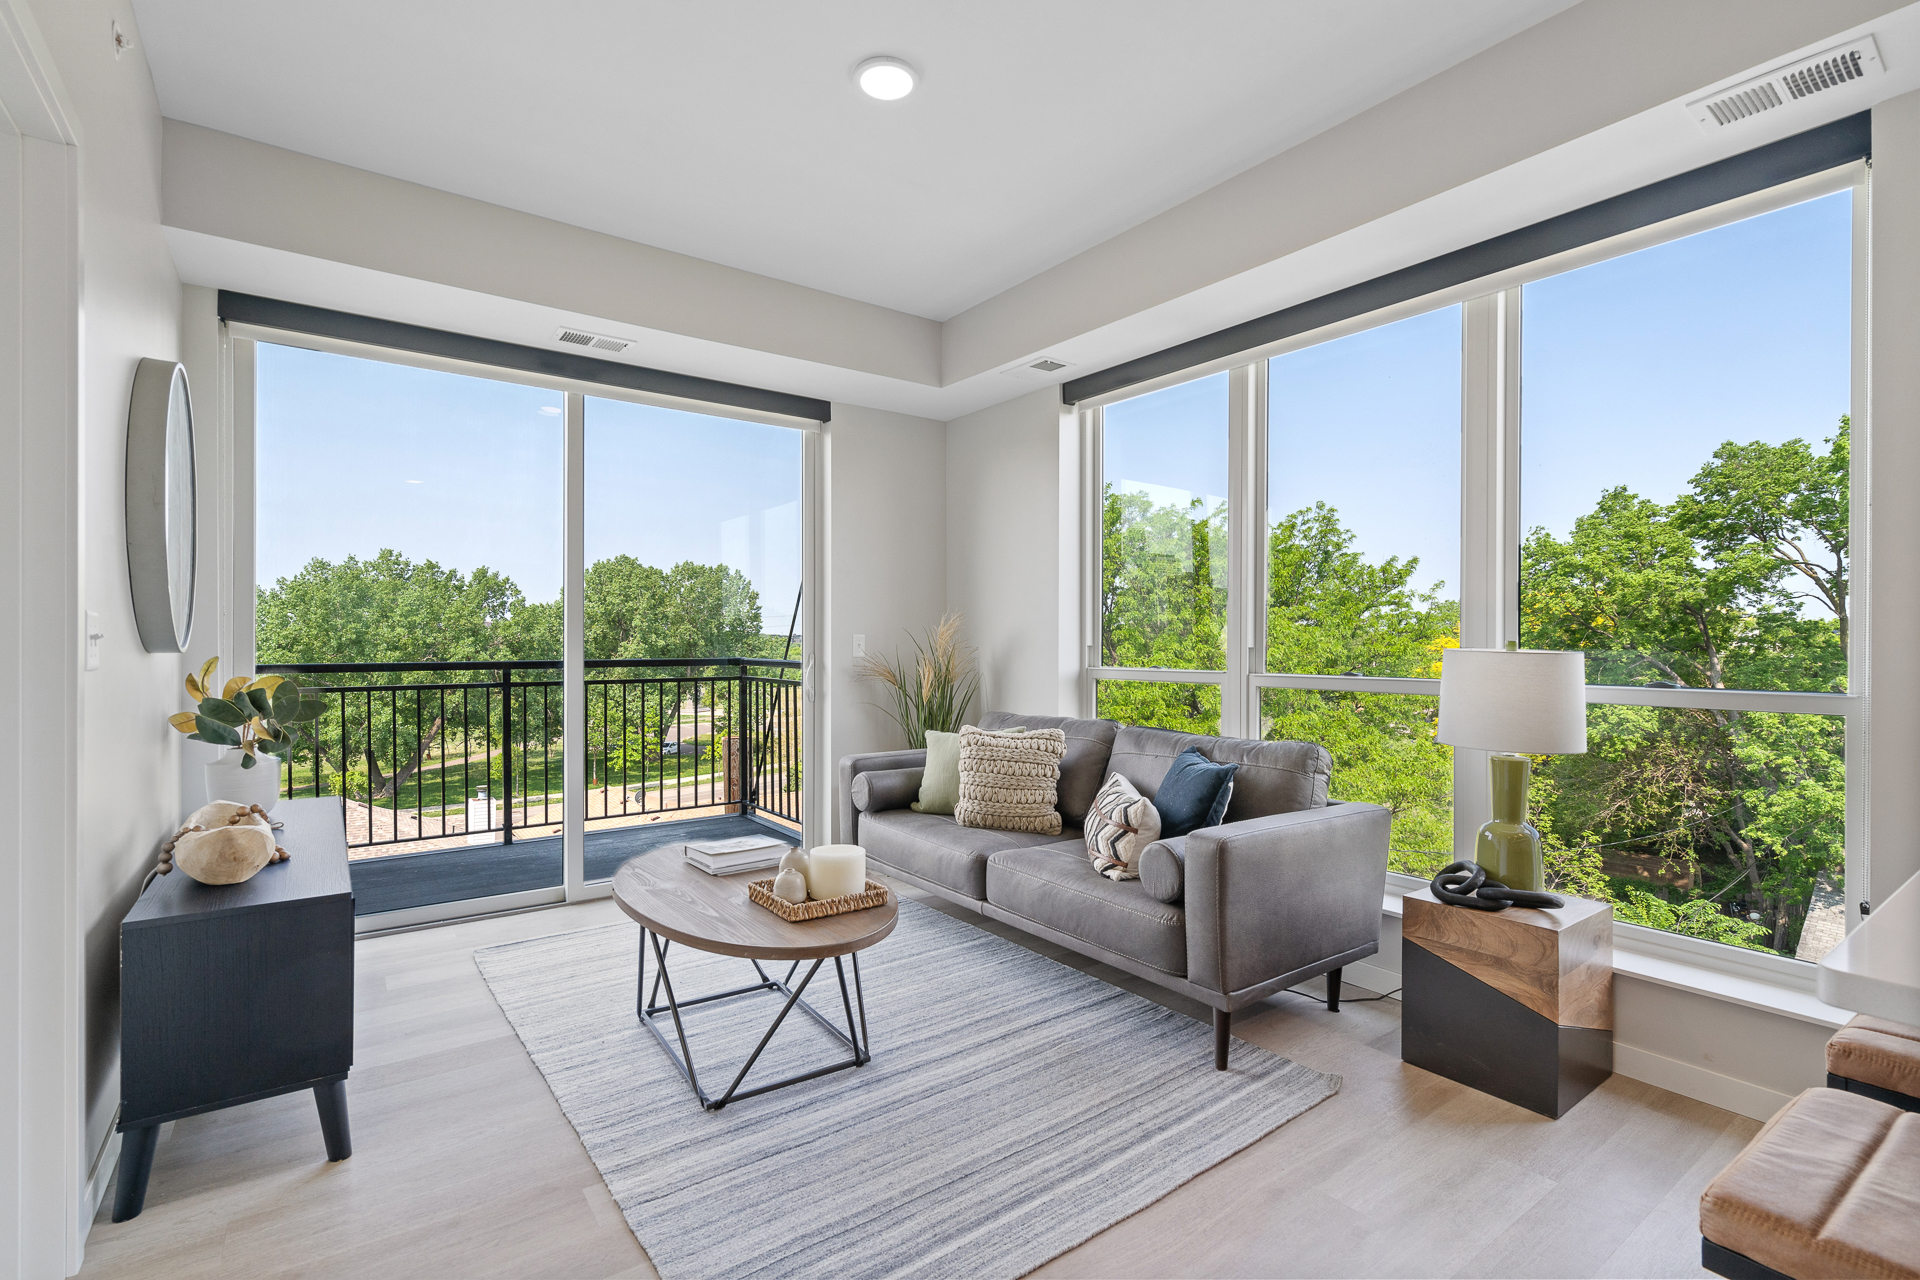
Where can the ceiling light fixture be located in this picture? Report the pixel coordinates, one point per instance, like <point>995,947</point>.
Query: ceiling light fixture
<point>887,79</point>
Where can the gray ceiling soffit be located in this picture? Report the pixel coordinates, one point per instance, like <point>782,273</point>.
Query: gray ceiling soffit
<point>296,317</point>
<point>1811,152</point>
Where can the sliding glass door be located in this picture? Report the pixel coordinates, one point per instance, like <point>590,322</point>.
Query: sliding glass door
<point>419,534</point>
<point>691,633</point>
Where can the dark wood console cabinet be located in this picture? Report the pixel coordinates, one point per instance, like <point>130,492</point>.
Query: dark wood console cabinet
<point>231,993</point>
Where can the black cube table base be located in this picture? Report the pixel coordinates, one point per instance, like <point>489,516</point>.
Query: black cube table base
<point>650,1010</point>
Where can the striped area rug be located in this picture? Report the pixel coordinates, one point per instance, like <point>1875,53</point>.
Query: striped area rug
<point>1014,1106</point>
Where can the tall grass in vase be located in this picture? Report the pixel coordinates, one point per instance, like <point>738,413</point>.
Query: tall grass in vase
<point>931,690</point>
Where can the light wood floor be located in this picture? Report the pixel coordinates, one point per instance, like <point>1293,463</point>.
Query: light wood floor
<point>464,1166</point>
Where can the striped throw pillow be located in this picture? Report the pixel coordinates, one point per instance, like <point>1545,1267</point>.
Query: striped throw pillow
<point>1120,826</point>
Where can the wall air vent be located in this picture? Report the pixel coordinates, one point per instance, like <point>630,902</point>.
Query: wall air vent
<point>1789,85</point>
<point>1041,370</point>
<point>592,341</point>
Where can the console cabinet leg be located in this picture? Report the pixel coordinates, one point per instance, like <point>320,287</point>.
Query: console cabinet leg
<point>1220,1039</point>
<point>331,1098</point>
<point>136,1165</point>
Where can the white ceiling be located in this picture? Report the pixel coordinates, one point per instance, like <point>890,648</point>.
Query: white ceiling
<point>731,131</point>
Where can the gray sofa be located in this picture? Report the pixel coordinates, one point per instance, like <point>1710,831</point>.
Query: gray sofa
<point>1287,888</point>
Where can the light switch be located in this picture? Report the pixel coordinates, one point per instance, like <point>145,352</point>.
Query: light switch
<point>94,636</point>
<point>859,646</point>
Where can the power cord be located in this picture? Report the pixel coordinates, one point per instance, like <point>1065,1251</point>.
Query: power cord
<point>1344,999</point>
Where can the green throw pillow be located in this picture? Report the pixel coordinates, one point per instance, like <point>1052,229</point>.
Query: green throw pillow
<point>940,783</point>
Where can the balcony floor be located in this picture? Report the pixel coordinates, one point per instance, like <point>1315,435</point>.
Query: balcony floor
<point>402,880</point>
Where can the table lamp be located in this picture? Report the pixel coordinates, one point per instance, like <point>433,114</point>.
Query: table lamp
<point>1514,703</point>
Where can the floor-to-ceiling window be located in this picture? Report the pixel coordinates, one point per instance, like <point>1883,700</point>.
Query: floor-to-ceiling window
<point>1645,447</point>
<point>1685,499</point>
<point>1363,564</point>
<point>1163,581</point>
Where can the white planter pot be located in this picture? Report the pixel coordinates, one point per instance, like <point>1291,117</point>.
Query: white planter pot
<point>227,780</point>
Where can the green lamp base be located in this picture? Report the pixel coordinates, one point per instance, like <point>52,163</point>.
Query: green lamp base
<point>1509,846</point>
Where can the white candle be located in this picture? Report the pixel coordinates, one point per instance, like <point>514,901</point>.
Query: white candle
<point>836,870</point>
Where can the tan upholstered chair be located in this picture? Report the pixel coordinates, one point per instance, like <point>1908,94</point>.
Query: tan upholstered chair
<point>1877,1058</point>
<point>1830,1187</point>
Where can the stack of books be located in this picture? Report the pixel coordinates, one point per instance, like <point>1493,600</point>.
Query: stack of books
<point>742,853</point>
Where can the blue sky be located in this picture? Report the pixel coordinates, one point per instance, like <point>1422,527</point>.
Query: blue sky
<point>1633,371</point>
<point>356,455</point>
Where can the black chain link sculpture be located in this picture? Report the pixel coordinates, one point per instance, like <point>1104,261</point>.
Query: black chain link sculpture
<point>1466,884</point>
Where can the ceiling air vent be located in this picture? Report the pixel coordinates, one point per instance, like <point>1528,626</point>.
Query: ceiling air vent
<point>1785,86</point>
<point>592,341</point>
<point>1041,370</point>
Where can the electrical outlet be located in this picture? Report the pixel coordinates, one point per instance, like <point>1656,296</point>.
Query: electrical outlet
<point>859,646</point>
<point>94,636</point>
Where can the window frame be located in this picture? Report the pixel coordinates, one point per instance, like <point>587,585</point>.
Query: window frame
<point>1491,431</point>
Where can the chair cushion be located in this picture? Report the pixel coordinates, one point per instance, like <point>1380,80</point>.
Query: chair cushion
<point>1273,777</point>
<point>1194,793</point>
<point>1163,869</point>
<point>1083,770</point>
<point>1878,1052</point>
<point>938,850</point>
<point>1830,1187</point>
<point>1057,887</point>
<point>1010,779</point>
<point>1121,824</point>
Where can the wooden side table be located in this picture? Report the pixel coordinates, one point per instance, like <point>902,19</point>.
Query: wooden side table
<point>1515,1003</point>
<point>229,993</point>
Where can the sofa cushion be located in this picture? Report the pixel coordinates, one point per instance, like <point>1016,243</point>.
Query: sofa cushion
<point>938,850</point>
<point>1057,887</point>
<point>1010,779</point>
<point>1163,869</point>
<point>1194,793</point>
<point>1273,777</point>
<point>1084,767</point>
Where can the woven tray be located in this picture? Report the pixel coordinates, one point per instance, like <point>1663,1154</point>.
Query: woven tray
<point>761,893</point>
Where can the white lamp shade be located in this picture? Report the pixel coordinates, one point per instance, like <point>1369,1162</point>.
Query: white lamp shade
<point>1531,701</point>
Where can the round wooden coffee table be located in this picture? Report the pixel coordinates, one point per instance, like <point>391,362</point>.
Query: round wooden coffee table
<point>673,901</point>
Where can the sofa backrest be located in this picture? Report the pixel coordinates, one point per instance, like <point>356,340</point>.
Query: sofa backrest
<point>1083,768</point>
<point>1274,777</point>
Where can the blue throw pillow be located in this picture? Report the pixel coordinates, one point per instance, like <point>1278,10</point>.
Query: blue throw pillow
<point>1194,794</point>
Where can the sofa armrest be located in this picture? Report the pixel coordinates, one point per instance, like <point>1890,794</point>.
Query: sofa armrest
<point>852,767</point>
<point>877,790</point>
<point>1268,896</point>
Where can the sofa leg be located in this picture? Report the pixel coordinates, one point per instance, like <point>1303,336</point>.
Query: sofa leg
<point>1333,991</point>
<point>1220,1038</point>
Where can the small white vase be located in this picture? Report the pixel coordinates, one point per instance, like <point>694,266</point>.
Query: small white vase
<point>227,780</point>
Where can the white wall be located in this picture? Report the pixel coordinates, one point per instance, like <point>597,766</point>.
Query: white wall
<point>885,562</point>
<point>1893,517</point>
<point>130,306</point>
<point>1012,499</point>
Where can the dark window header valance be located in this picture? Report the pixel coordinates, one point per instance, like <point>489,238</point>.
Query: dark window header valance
<point>294,317</point>
<point>1800,156</point>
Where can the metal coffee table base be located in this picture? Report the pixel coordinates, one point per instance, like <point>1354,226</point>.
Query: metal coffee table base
<point>649,1008</point>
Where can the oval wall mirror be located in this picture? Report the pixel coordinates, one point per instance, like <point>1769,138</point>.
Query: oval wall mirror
<point>160,505</point>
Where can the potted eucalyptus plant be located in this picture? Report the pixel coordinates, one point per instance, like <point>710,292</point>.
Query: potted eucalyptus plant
<point>254,718</point>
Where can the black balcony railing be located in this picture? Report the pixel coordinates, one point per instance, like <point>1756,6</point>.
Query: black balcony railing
<point>441,751</point>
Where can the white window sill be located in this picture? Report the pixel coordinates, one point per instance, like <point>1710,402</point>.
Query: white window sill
<point>1771,983</point>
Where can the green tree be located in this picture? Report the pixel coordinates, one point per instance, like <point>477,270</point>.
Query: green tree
<point>1740,583</point>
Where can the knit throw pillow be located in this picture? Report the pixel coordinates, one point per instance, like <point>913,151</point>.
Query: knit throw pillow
<point>1010,781</point>
<point>1120,825</point>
